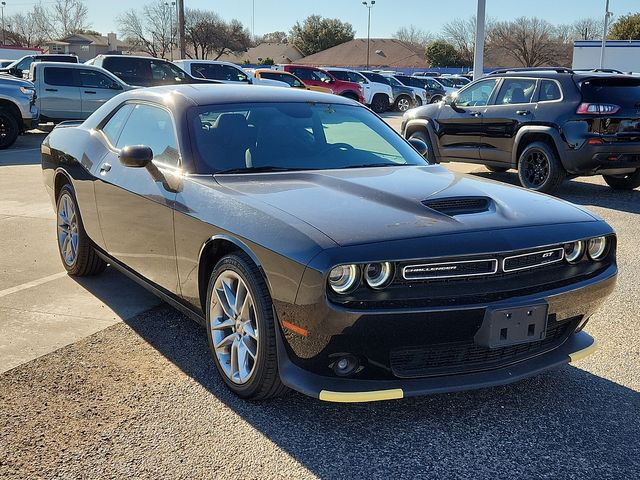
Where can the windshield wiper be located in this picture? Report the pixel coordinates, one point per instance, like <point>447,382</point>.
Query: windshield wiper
<point>265,168</point>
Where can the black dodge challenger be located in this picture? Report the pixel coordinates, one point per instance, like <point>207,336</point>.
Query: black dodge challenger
<point>321,251</point>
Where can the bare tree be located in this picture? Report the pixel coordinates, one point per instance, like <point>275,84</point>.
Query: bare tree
<point>151,30</point>
<point>208,35</point>
<point>531,42</point>
<point>25,31</point>
<point>413,34</point>
<point>274,37</point>
<point>63,18</point>
<point>461,34</point>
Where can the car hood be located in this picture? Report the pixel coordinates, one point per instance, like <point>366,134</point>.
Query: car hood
<point>365,205</point>
<point>6,78</point>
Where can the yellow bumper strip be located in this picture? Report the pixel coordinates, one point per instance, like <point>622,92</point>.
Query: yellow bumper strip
<point>351,397</point>
<point>585,352</point>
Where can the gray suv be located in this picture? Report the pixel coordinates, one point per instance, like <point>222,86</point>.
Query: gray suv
<point>18,111</point>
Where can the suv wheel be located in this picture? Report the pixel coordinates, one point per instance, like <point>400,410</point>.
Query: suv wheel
<point>380,103</point>
<point>435,99</point>
<point>9,129</point>
<point>403,103</point>
<point>418,102</point>
<point>627,181</point>
<point>539,168</point>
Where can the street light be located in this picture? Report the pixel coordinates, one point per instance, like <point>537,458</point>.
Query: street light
<point>478,51</point>
<point>607,16</point>
<point>3,4</point>
<point>369,6</point>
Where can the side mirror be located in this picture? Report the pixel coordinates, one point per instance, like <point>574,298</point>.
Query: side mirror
<point>449,100</point>
<point>419,145</point>
<point>136,156</point>
<point>115,86</point>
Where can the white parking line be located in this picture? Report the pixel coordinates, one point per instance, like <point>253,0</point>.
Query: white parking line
<point>31,284</point>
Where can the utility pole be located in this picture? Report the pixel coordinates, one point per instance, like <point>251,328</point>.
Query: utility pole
<point>478,51</point>
<point>181,35</point>
<point>607,16</point>
<point>4,4</point>
<point>369,7</point>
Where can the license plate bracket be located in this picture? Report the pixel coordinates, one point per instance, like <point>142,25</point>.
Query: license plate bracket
<point>503,327</point>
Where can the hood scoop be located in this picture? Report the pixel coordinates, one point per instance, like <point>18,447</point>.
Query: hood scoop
<point>458,205</point>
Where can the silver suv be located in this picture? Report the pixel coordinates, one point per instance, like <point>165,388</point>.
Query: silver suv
<point>18,111</point>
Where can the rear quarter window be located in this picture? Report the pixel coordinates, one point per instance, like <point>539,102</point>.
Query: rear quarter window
<point>621,91</point>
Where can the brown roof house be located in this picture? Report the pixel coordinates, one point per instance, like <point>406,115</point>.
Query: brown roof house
<point>86,46</point>
<point>278,52</point>
<point>383,52</point>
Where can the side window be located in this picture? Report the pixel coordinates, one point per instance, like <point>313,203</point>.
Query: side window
<point>113,127</point>
<point>340,75</point>
<point>62,77</point>
<point>153,127</point>
<point>476,95</point>
<point>166,72</point>
<point>549,91</point>
<point>321,76</point>
<point>516,90</point>
<point>303,73</point>
<point>25,64</point>
<point>354,77</point>
<point>93,79</point>
<point>233,74</point>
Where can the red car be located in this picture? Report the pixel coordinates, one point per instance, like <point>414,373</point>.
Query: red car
<point>316,77</point>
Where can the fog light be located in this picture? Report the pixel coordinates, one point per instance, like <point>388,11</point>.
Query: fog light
<point>377,275</point>
<point>345,366</point>
<point>343,278</point>
<point>597,248</point>
<point>573,251</point>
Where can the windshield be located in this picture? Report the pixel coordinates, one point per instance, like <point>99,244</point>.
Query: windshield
<point>394,82</point>
<point>294,136</point>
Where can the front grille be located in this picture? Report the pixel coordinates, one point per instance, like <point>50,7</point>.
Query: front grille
<point>466,356</point>
<point>458,205</point>
<point>467,268</point>
<point>532,260</point>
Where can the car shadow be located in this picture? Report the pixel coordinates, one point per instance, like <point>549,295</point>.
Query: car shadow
<point>581,192</point>
<point>567,423</point>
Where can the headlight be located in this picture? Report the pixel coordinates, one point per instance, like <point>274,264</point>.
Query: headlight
<point>343,278</point>
<point>573,251</point>
<point>377,275</point>
<point>597,248</point>
<point>28,90</point>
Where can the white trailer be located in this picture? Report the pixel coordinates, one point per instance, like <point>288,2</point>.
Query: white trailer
<point>623,55</point>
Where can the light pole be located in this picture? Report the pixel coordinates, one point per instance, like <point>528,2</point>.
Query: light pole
<point>607,16</point>
<point>181,33</point>
<point>4,4</point>
<point>478,51</point>
<point>369,6</point>
<point>170,7</point>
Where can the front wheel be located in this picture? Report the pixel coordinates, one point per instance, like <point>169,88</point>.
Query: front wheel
<point>539,168</point>
<point>241,329</point>
<point>78,254</point>
<point>627,181</point>
<point>380,103</point>
<point>424,136</point>
<point>403,104</point>
<point>9,129</point>
<point>435,99</point>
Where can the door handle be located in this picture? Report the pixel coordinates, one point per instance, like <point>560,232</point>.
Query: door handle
<point>89,91</point>
<point>105,168</point>
<point>51,89</point>
<point>523,112</point>
<point>475,114</point>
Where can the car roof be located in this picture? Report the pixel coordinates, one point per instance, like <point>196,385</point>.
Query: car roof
<point>212,94</point>
<point>553,73</point>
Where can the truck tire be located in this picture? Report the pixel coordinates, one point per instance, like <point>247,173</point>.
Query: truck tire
<point>9,129</point>
<point>540,169</point>
<point>628,181</point>
<point>380,103</point>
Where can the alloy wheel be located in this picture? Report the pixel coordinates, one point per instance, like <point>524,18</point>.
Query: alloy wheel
<point>67,229</point>
<point>403,104</point>
<point>535,168</point>
<point>234,327</point>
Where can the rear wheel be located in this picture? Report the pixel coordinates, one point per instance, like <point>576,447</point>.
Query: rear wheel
<point>9,129</point>
<point>403,103</point>
<point>78,254</point>
<point>418,102</point>
<point>539,168</point>
<point>380,103</point>
<point>491,168</point>
<point>435,99</point>
<point>627,181</point>
<point>241,329</point>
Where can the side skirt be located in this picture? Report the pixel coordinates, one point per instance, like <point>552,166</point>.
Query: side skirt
<point>153,288</point>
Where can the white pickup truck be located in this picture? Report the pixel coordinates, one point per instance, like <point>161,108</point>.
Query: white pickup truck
<point>72,91</point>
<point>378,96</point>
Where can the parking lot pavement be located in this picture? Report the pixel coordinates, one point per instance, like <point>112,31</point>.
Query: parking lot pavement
<point>142,399</point>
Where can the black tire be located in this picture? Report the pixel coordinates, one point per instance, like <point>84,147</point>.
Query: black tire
<point>491,168</point>
<point>435,99</point>
<point>86,261</point>
<point>264,381</point>
<point>9,129</point>
<point>540,169</point>
<point>424,136</point>
<point>623,182</point>
<point>418,102</point>
<point>380,103</point>
<point>403,103</point>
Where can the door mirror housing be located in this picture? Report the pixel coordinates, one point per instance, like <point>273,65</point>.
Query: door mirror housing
<point>419,145</point>
<point>135,156</point>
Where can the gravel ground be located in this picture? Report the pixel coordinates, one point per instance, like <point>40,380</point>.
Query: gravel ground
<point>142,399</point>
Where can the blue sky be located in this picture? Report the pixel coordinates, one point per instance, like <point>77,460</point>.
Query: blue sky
<point>387,15</point>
